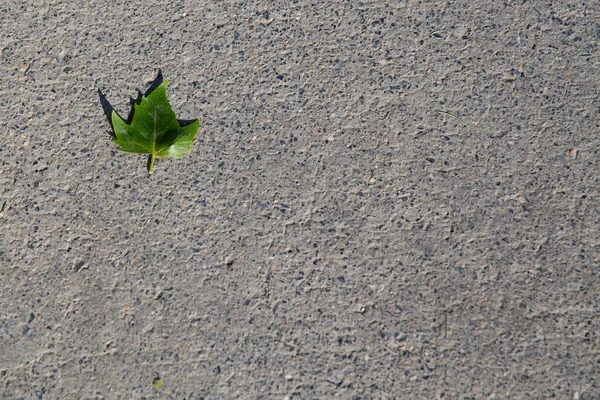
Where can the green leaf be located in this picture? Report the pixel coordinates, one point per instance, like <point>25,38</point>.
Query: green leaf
<point>154,128</point>
<point>158,383</point>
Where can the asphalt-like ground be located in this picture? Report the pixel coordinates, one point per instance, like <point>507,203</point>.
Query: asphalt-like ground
<point>385,200</point>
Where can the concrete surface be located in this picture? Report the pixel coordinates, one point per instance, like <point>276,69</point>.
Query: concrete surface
<point>386,200</point>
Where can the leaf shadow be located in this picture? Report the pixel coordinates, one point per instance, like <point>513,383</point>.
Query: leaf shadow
<point>185,122</point>
<point>108,109</point>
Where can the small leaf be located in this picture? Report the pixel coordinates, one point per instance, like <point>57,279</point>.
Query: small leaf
<point>153,127</point>
<point>157,383</point>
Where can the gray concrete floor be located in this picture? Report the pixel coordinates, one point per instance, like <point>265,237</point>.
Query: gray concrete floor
<point>386,200</point>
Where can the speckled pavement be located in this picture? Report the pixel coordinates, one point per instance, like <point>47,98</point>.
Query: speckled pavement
<point>386,200</point>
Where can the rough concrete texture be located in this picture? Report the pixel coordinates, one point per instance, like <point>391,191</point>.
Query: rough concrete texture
<point>387,199</point>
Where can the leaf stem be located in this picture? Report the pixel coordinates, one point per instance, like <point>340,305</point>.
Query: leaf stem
<point>151,164</point>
